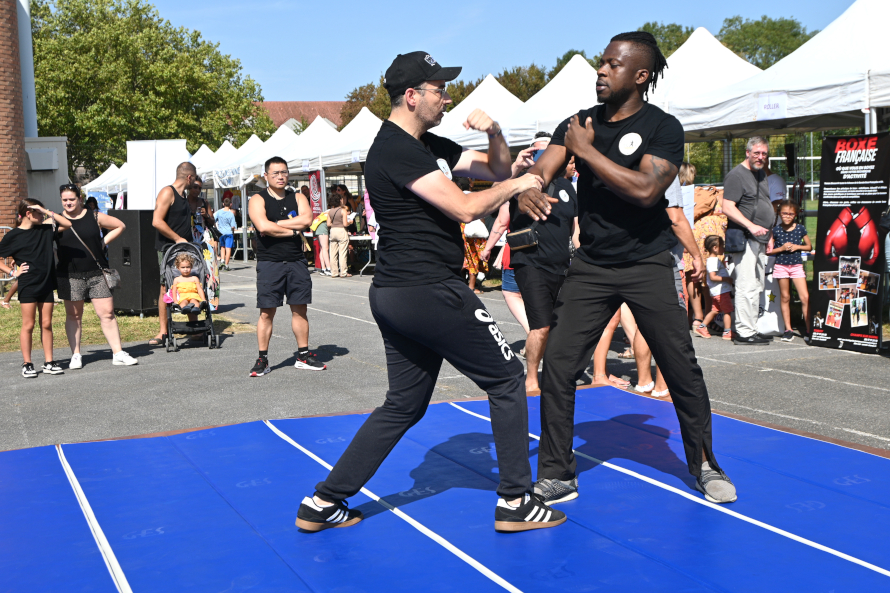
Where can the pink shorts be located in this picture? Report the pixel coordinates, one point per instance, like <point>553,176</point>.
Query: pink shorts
<point>792,271</point>
<point>722,303</point>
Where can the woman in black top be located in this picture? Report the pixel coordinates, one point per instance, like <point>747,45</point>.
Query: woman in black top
<point>79,274</point>
<point>31,248</point>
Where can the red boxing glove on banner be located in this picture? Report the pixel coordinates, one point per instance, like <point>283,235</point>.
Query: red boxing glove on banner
<point>868,237</point>
<point>836,239</point>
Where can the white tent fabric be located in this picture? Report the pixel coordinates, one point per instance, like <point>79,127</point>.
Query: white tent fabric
<point>824,84</point>
<point>354,140</point>
<point>227,173</point>
<point>313,142</point>
<point>570,91</point>
<point>224,153</point>
<point>700,64</point>
<point>283,137</point>
<point>98,184</point>
<point>119,181</point>
<point>202,157</point>
<point>492,98</point>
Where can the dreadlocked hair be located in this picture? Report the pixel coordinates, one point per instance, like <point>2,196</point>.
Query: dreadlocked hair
<point>648,43</point>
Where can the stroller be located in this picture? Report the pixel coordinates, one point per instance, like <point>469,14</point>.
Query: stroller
<point>200,270</point>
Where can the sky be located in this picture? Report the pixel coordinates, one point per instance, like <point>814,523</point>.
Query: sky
<point>319,51</point>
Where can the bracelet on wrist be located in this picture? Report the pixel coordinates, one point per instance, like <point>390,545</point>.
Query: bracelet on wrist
<point>496,134</point>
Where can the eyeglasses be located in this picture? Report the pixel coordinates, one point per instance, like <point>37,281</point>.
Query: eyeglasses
<point>277,173</point>
<point>759,154</point>
<point>439,91</point>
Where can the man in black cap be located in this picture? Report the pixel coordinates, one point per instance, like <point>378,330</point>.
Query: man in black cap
<point>424,310</point>
<point>627,153</point>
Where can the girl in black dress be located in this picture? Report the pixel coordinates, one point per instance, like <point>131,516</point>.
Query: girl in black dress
<point>31,248</point>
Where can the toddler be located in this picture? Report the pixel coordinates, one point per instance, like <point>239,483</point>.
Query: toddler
<point>720,287</point>
<point>186,290</point>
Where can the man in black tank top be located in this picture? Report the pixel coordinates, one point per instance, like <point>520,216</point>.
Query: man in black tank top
<point>279,215</point>
<point>172,220</point>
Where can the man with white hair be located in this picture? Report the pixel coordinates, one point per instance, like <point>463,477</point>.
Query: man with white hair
<point>746,203</point>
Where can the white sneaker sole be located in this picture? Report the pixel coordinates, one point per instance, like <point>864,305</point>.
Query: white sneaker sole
<point>565,498</point>
<point>74,367</point>
<point>59,372</point>
<point>265,371</point>
<point>710,498</point>
<point>124,363</point>
<point>306,367</point>
<point>29,376</point>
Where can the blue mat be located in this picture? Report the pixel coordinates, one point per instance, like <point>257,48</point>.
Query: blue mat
<point>214,510</point>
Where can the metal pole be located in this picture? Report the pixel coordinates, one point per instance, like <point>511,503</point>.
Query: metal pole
<point>244,223</point>
<point>812,177</point>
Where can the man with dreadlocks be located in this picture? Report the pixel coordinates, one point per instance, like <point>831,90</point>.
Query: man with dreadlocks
<point>627,153</point>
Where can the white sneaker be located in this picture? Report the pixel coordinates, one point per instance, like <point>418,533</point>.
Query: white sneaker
<point>123,359</point>
<point>76,362</point>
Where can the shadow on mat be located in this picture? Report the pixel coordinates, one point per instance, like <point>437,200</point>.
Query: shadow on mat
<point>628,436</point>
<point>463,461</point>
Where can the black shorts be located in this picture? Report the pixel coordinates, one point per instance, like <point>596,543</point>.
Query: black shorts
<point>539,289</point>
<point>276,281</point>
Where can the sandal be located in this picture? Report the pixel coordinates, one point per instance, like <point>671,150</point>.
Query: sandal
<point>664,393</point>
<point>477,291</point>
<point>159,341</point>
<point>4,304</point>
<point>627,354</point>
<point>647,388</point>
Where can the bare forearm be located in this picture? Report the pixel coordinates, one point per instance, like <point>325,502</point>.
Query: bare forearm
<point>162,227</point>
<point>683,232</point>
<point>634,187</point>
<point>499,159</point>
<point>733,213</point>
<point>479,204</point>
<point>112,235</point>
<point>272,229</point>
<point>299,223</point>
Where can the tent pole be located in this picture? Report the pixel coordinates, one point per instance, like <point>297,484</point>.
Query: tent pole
<point>244,218</point>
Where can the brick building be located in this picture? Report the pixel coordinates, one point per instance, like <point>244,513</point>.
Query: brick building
<point>13,180</point>
<point>284,111</point>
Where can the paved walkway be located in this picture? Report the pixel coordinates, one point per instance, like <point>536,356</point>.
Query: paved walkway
<point>832,393</point>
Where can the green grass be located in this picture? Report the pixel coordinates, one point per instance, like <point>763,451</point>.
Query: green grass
<point>132,328</point>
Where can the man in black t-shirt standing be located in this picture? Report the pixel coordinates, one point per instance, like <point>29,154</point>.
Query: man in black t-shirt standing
<point>279,215</point>
<point>541,269</point>
<point>424,310</point>
<point>627,153</point>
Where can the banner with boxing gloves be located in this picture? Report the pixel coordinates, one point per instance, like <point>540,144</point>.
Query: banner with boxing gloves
<point>846,294</point>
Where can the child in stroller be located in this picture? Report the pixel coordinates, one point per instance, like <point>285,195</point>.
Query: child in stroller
<point>186,274</point>
<point>186,290</point>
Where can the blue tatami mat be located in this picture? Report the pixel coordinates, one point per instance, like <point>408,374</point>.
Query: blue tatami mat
<point>214,510</point>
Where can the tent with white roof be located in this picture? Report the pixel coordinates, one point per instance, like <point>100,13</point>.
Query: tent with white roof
<point>283,137</point>
<point>202,156</point>
<point>570,91</point>
<point>98,184</point>
<point>353,141</point>
<point>303,154</point>
<point>492,98</point>
<point>700,64</point>
<point>828,82</point>
<point>227,173</point>
<point>223,154</point>
<point>119,181</point>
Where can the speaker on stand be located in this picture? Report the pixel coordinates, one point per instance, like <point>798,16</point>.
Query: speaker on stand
<point>133,255</point>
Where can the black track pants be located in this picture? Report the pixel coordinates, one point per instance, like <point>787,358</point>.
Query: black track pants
<point>588,299</point>
<point>421,326</point>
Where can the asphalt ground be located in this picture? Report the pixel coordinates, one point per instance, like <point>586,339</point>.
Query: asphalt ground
<point>835,394</point>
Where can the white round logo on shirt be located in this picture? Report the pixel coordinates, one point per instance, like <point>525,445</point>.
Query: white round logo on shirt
<point>563,195</point>
<point>630,143</point>
<point>445,168</point>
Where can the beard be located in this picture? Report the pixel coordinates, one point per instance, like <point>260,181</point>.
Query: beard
<point>430,117</point>
<point>616,98</point>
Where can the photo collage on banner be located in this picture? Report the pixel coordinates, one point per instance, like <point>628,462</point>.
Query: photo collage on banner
<point>846,292</point>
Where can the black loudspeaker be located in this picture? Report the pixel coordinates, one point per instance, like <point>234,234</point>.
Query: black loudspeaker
<point>133,255</point>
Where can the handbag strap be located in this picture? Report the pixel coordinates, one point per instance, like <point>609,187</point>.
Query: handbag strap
<point>101,269</point>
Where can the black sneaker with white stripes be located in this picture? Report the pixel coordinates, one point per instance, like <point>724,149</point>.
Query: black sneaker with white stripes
<point>531,514</point>
<point>308,362</point>
<point>553,491</point>
<point>52,368</point>
<point>261,367</point>
<point>28,371</point>
<point>312,517</point>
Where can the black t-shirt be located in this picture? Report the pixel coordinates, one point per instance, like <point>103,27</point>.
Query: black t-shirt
<point>34,247</point>
<point>280,249</point>
<point>74,260</point>
<point>418,243</point>
<point>179,219</point>
<point>614,231</point>
<point>554,234</point>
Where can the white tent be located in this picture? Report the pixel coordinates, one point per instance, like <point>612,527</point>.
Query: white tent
<point>202,157</point>
<point>283,137</point>
<point>826,83</point>
<point>303,153</point>
<point>353,141</point>
<point>224,153</point>
<point>227,173</point>
<point>492,98</point>
<point>570,91</point>
<point>700,64</point>
<point>119,181</point>
<point>98,184</point>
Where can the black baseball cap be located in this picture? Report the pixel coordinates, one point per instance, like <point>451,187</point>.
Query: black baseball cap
<point>410,70</point>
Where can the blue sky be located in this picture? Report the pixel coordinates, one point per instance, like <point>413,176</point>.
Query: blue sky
<point>319,51</point>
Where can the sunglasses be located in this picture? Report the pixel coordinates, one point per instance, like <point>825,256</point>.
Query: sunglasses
<point>69,187</point>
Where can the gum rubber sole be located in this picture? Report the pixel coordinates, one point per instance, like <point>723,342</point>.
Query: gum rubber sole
<point>313,526</point>
<point>514,526</point>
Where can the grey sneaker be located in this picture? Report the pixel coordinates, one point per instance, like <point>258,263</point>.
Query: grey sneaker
<point>553,491</point>
<point>715,485</point>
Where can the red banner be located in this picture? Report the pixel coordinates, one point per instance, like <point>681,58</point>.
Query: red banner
<point>315,192</point>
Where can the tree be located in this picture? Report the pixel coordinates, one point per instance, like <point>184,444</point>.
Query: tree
<point>562,60</point>
<point>371,95</point>
<point>108,71</point>
<point>669,36</point>
<point>763,42</point>
<point>523,81</point>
